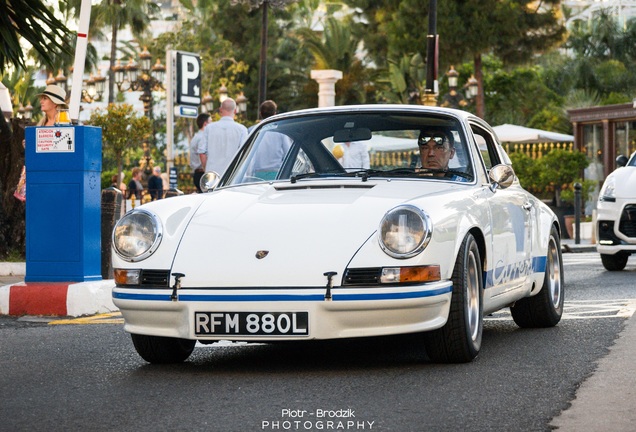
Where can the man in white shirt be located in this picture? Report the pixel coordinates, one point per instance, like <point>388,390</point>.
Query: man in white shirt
<point>272,146</point>
<point>356,155</point>
<point>203,120</point>
<point>223,138</point>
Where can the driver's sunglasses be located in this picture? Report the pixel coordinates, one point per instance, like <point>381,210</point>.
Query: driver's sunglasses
<point>437,138</point>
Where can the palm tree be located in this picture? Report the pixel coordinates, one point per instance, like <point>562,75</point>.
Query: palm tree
<point>25,19</point>
<point>117,15</point>
<point>337,48</point>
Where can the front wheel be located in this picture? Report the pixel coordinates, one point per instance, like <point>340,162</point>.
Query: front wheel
<point>162,350</point>
<point>615,262</point>
<point>459,340</point>
<point>544,309</point>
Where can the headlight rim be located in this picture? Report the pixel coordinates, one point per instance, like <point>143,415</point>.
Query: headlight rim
<point>426,238</point>
<point>158,226</point>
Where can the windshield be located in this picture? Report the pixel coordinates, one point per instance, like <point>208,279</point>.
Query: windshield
<point>355,144</point>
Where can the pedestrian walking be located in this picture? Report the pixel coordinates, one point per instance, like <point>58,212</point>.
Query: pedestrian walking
<point>155,184</point>
<point>198,168</point>
<point>223,138</point>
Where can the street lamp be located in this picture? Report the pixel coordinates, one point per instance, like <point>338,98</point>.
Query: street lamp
<point>208,102</point>
<point>128,78</point>
<point>28,112</point>
<point>454,98</point>
<point>241,101</point>
<point>222,93</point>
<point>61,80</point>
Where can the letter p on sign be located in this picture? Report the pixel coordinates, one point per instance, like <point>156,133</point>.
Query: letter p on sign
<point>188,79</point>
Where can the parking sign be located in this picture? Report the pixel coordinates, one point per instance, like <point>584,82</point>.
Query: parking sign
<point>188,89</point>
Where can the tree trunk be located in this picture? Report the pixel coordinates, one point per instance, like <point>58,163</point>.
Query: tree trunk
<point>480,100</point>
<point>12,210</point>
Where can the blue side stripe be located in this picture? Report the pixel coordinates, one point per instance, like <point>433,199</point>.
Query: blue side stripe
<point>392,296</point>
<point>282,297</point>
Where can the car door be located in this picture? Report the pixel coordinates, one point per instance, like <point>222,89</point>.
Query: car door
<point>511,227</point>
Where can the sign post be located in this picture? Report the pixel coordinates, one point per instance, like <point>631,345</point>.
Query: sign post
<point>183,92</point>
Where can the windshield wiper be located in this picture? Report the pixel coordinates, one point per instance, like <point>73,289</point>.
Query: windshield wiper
<point>297,177</point>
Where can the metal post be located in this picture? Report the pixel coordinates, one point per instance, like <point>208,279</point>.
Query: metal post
<point>430,97</point>
<point>262,73</point>
<point>577,212</point>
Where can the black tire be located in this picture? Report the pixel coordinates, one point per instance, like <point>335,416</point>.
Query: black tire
<point>615,262</point>
<point>162,350</point>
<point>544,309</point>
<point>459,340</point>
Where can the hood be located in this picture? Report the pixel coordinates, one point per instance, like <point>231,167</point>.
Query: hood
<point>305,229</point>
<point>625,179</point>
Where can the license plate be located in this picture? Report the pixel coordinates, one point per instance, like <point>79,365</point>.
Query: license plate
<point>251,323</point>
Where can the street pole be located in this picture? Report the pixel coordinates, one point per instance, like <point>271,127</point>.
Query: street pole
<point>430,91</point>
<point>80,56</point>
<point>170,58</point>
<point>262,75</point>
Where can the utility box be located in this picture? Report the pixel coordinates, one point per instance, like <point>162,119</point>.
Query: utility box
<point>63,214</point>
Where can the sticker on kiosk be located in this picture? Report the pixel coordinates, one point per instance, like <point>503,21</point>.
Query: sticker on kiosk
<point>55,140</point>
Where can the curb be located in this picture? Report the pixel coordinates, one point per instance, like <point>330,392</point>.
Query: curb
<point>57,298</point>
<point>12,268</point>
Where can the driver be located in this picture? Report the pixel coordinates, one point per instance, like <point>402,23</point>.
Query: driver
<point>436,149</point>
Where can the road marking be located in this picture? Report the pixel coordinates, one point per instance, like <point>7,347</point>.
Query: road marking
<point>109,318</point>
<point>585,309</point>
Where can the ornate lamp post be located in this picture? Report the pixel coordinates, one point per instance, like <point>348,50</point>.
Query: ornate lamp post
<point>151,78</point>
<point>454,98</point>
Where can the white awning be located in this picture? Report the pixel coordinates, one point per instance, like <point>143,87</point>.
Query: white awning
<point>521,134</point>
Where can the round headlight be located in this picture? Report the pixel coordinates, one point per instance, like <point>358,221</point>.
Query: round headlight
<point>405,231</point>
<point>137,235</point>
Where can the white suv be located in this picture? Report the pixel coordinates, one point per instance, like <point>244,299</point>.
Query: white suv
<point>616,217</point>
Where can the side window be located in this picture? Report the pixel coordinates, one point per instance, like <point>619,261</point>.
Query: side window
<point>303,164</point>
<point>486,146</point>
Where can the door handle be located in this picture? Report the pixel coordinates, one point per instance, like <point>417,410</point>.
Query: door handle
<point>527,206</point>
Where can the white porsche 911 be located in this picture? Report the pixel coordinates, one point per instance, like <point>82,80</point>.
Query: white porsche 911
<point>292,243</point>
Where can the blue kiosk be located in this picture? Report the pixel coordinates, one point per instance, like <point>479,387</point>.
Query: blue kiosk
<point>63,213</point>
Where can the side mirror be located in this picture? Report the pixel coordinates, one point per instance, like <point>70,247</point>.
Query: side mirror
<point>621,161</point>
<point>209,181</point>
<point>502,176</point>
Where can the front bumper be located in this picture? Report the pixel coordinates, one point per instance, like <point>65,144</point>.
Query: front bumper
<point>616,227</point>
<point>351,312</point>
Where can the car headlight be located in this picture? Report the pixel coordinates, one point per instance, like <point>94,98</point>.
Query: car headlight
<point>137,235</point>
<point>405,231</point>
<point>608,191</point>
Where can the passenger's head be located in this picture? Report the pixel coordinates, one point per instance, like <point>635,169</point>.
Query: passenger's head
<point>436,148</point>
<point>228,108</point>
<point>202,119</point>
<point>267,109</point>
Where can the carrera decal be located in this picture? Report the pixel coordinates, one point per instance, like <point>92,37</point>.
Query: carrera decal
<point>503,274</point>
